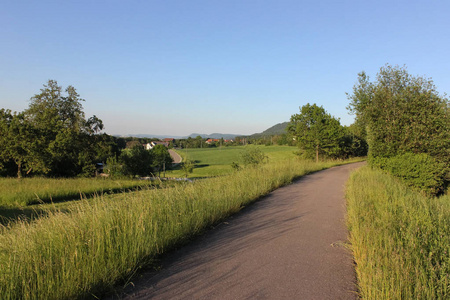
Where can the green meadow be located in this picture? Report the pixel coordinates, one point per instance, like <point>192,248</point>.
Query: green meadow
<point>217,161</point>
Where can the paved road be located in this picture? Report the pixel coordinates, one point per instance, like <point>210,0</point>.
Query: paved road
<point>288,245</point>
<point>176,157</point>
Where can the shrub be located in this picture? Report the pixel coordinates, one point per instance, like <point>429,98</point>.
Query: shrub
<point>235,166</point>
<point>188,167</point>
<point>253,156</point>
<point>136,161</point>
<point>420,171</point>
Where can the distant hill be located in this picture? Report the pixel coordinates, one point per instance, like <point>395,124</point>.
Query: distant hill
<point>280,128</point>
<point>147,135</point>
<point>277,129</point>
<point>226,136</point>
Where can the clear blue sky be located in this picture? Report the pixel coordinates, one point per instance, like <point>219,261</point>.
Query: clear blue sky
<point>175,67</point>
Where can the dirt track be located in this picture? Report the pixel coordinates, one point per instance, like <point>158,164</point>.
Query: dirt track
<point>288,245</point>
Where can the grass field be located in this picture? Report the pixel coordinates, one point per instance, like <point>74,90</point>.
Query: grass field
<point>29,197</point>
<point>19,196</point>
<point>400,239</point>
<point>26,191</point>
<point>86,250</point>
<point>217,161</point>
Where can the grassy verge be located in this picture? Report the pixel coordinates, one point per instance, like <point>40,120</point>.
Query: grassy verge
<point>400,238</point>
<point>105,240</point>
<point>28,191</point>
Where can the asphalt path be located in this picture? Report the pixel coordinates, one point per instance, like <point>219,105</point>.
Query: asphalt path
<point>288,245</point>
<point>176,157</point>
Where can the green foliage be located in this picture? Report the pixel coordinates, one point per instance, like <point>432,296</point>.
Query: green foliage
<point>52,136</point>
<point>317,132</point>
<point>188,167</point>
<point>19,142</point>
<point>400,239</point>
<point>253,156</point>
<point>161,158</point>
<point>136,161</point>
<point>235,166</point>
<point>113,167</point>
<point>417,170</point>
<point>402,114</point>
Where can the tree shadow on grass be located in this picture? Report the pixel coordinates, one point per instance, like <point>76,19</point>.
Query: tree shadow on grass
<point>35,209</point>
<point>28,213</point>
<point>201,166</point>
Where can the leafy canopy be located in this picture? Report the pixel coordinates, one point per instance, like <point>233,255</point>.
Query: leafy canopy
<point>407,124</point>
<point>402,113</point>
<point>317,132</point>
<point>52,136</point>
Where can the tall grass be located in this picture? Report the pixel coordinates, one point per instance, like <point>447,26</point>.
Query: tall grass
<point>26,191</point>
<point>102,241</point>
<point>400,238</point>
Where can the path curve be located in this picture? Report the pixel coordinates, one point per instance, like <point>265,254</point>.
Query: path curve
<point>288,245</point>
<point>175,156</point>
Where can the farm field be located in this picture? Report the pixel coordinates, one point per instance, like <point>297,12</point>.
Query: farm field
<point>217,161</point>
<point>85,248</point>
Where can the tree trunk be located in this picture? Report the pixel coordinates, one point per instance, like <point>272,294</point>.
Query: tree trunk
<point>19,170</point>
<point>317,153</point>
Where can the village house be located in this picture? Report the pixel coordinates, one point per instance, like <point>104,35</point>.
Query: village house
<point>149,146</point>
<point>210,141</point>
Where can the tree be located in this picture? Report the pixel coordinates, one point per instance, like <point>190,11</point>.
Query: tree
<point>113,167</point>
<point>161,158</point>
<point>136,161</point>
<point>67,138</point>
<point>188,167</point>
<point>198,142</point>
<point>19,142</point>
<point>317,132</point>
<point>354,143</point>
<point>51,110</point>
<point>52,136</point>
<point>401,113</point>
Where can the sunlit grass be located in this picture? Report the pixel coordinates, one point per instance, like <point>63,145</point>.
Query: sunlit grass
<point>400,238</point>
<point>21,192</point>
<point>87,249</point>
<point>217,161</point>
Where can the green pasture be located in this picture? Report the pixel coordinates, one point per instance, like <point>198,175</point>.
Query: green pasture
<point>217,161</point>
